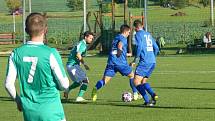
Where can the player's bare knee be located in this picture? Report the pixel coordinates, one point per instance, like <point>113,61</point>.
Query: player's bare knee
<point>107,79</point>
<point>144,80</point>
<point>137,82</point>
<point>131,75</point>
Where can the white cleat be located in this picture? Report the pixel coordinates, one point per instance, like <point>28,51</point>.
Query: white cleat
<point>140,96</point>
<point>80,99</point>
<point>135,96</point>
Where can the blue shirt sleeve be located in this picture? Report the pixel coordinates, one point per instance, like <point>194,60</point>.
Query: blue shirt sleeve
<point>139,44</point>
<point>155,47</point>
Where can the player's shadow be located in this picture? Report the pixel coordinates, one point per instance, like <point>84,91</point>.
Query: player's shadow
<point>5,99</point>
<point>186,88</point>
<point>119,103</point>
<point>207,82</point>
<point>88,101</point>
<point>162,107</point>
<point>73,101</point>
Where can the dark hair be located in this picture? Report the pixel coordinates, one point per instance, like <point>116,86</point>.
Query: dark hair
<point>124,28</point>
<point>137,23</point>
<point>35,23</point>
<point>208,34</point>
<point>87,33</point>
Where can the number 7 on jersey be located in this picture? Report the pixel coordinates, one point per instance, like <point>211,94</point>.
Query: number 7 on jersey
<point>32,60</point>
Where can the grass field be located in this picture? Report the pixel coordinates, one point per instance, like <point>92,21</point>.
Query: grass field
<point>185,85</point>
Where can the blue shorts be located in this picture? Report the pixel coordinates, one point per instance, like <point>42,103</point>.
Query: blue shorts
<point>111,70</point>
<point>145,70</point>
<point>76,73</point>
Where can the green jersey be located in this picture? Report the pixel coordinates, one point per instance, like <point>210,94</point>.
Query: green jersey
<point>41,74</point>
<point>81,48</point>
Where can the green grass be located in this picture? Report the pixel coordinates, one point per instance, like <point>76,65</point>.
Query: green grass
<point>3,6</point>
<point>185,85</point>
<point>175,29</point>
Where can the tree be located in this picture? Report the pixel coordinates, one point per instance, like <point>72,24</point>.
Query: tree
<point>75,4</point>
<point>205,3</point>
<point>136,3</point>
<point>174,3</point>
<point>181,3</point>
<point>166,3</point>
<point>13,5</point>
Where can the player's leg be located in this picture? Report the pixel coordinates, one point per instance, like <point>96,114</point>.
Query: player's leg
<point>72,86</point>
<point>148,71</point>
<point>102,82</point>
<point>99,85</point>
<point>140,88</point>
<point>150,91</point>
<point>82,90</point>
<point>130,74</point>
<point>140,73</point>
<point>148,87</point>
<point>72,71</point>
<point>83,79</point>
<point>108,74</point>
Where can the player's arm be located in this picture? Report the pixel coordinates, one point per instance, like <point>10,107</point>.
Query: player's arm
<point>80,50</point>
<point>58,70</point>
<point>119,49</point>
<point>138,48</point>
<point>10,82</point>
<point>155,47</point>
<point>80,58</point>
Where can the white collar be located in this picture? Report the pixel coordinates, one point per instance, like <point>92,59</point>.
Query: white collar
<point>84,41</point>
<point>35,43</point>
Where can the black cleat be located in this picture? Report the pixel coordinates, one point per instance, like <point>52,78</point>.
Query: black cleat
<point>149,104</point>
<point>154,99</point>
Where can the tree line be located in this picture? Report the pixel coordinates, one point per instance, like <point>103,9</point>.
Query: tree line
<point>74,5</point>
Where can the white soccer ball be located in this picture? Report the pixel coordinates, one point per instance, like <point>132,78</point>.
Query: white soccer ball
<point>127,97</point>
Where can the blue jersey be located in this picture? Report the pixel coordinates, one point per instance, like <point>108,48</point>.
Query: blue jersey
<point>113,59</point>
<point>147,48</point>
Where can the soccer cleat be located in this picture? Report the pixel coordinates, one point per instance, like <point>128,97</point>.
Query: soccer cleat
<point>151,104</point>
<point>94,94</point>
<point>154,99</point>
<point>80,99</point>
<point>66,95</point>
<point>148,104</point>
<point>135,96</point>
<point>140,96</point>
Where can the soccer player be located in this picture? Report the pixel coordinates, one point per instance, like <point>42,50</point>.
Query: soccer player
<point>76,73</point>
<point>117,62</point>
<point>41,75</point>
<point>147,50</point>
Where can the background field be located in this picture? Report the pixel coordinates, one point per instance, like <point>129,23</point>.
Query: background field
<point>176,30</point>
<point>185,85</point>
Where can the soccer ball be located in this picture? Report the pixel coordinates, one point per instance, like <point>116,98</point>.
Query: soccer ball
<point>127,97</point>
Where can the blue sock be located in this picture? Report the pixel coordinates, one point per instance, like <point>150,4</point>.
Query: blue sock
<point>133,86</point>
<point>149,89</point>
<point>100,84</point>
<point>142,91</point>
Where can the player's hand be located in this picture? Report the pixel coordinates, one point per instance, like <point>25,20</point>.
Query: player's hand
<point>18,103</point>
<point>132,64</point>
<point>19,106</point>
<point>129,54</point>
<point>86,67</point>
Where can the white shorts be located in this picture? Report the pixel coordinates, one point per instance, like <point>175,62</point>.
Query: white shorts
<point>76,73</point>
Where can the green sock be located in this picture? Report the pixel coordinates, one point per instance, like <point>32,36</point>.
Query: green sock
<point>74,85</point>
<point>82,90</point>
